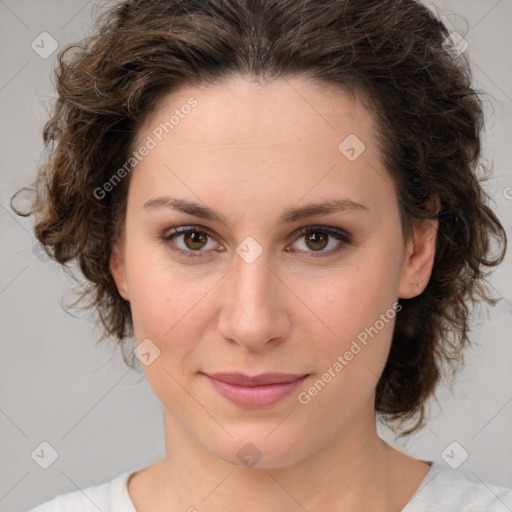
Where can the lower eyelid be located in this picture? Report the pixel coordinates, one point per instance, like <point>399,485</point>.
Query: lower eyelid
<point>168,238</point>
<point>342,237</point>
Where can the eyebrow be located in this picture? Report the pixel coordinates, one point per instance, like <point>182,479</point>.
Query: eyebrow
<point>289,215</point>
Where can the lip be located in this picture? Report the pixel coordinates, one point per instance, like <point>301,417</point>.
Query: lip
<point>257,391</point>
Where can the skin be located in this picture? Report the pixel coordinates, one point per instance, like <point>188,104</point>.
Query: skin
<point>250,151</point>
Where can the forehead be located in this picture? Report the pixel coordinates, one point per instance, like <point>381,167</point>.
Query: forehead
<point>240,110</point>
<point>272,144</point>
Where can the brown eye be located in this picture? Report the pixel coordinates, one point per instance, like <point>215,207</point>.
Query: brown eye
<point>317,240</point>
<point>189,241</point>
<point>195,239</point>
<point>192,242</point>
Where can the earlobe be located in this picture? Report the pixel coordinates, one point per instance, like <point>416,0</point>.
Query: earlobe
<point>419,259</point>
<point>117,269</point>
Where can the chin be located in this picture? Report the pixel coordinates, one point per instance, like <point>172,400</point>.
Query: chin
<point>260,446</point>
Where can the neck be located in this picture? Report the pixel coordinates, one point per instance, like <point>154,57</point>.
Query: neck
<point>355,470</point>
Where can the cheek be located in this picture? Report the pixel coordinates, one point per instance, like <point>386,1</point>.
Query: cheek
<point>358,305</point>
<point>160,293</point>
<point>349,363</point>
<point>165,308</point>
<point>335,303</point>
<point>352,296</point>
<point>170,307</point>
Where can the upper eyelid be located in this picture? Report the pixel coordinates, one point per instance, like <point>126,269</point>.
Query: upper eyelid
<point>197,227</point>
<point>299,232</point>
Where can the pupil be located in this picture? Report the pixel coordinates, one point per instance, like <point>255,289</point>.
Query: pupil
<point>318,238</point>
<point>195,237</point>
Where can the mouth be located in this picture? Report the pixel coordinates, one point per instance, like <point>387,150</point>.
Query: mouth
<point>257,391</point>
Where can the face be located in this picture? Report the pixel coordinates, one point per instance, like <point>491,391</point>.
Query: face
<point>253,280</point>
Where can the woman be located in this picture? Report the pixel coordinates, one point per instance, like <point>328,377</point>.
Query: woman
<point>279,202</point>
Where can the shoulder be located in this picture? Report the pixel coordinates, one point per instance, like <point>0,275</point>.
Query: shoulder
<point>108,497</point>
<point>449,490</point>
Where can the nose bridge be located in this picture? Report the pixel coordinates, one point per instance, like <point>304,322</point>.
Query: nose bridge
<point>252,282</point>
<point>253,310</point>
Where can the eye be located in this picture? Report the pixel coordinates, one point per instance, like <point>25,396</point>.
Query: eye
<point>194,240</point>
<point>316,238</point>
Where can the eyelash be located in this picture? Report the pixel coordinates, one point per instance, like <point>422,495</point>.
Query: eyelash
<point>338,234</point>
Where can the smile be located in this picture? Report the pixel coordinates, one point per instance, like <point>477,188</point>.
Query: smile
<point>258,391</point>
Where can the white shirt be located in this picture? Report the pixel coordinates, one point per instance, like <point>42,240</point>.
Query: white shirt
<point>442,490</point>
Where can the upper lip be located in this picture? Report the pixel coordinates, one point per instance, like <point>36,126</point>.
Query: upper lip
<point>240,379</point>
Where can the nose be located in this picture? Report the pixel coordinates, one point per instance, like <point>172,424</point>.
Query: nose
<point>254,306</point>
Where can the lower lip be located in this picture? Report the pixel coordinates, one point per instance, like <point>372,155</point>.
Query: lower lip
<point>255,396</point>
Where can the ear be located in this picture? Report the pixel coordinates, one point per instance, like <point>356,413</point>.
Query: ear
<point>419,259</point>
<point>117,269</point>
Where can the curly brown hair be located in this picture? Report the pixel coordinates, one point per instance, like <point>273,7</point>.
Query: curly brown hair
<point>429,119</point>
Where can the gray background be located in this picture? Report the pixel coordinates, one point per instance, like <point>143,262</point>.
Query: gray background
<point>58,386</point>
